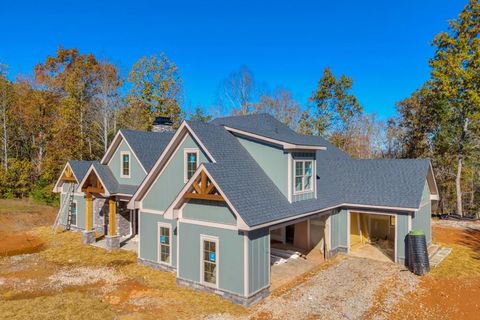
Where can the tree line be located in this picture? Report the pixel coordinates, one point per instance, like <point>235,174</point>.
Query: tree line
<point>73,104</point>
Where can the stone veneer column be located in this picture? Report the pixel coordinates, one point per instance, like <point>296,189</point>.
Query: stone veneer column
<point>113,240</point>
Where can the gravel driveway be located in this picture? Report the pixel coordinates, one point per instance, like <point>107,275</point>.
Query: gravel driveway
<point>346,290</point>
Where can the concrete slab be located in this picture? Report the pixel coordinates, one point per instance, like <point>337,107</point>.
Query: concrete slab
<point>439,256</point>
<point>370,251</point>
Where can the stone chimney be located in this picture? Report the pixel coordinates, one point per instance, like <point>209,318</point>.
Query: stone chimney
<point>162,124</point>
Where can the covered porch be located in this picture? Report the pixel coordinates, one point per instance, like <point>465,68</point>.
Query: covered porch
<point>108,222</point>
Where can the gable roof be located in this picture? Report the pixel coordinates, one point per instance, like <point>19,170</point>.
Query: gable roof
<point>146,146</point>
<point>265,125</point>
<point>108,180</point>
<point>79,169</point>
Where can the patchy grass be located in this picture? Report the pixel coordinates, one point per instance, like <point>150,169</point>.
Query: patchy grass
<point>462,262</point>
<point>22,206</point>
<point>71,305</point>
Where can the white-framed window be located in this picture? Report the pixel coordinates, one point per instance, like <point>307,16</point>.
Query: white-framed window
<point>165,243</point>
<point>125,164</point>
<point>303,176</point>
<point>191,161</point>
<point>73,213</point>
<point>209,260</point>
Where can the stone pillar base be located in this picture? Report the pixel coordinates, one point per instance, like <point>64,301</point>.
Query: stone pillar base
<point>113,242</point>
<point>88,237</point>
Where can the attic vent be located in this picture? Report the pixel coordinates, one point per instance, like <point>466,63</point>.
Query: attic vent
<point>162,124</point>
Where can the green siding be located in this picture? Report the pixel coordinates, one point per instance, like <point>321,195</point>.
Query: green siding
<point>136,172</point>
<point>402,231</point>
<point>273,160</point>
<point>304,195</point>
<point>212,211</point>
<point>166,188</point>
<point>422,219</point>
<point>149,238</point>
<point>258,260</point>
<point>339,229</point>
<point>230,256</point>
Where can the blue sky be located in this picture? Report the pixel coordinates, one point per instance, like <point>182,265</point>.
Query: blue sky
<point>383,45</point>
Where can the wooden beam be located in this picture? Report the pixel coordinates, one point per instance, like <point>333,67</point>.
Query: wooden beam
<point>209,188</point>
<point>197,187</point>
<point>68,179</point>
<point>212,197</point>
<point>112,217</point>
<point>93,190</point>
<point>203,181</point>
<point>89,212</point>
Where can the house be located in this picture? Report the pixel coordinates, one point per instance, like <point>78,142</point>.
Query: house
<point>211,199</point>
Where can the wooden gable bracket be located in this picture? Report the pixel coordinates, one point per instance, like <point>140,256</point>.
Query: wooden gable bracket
<point>203,189</point>
<point>68,175</point>
<point>93,186</point>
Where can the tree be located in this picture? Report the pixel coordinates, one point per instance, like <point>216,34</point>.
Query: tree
<point>334,105</point>
<point>6,99</point>
<point>237,92</point>
<point>455,84</point>
<point>156,89</point>
<point>281,105</point>
<point>305,123</point>
<point>200,115</point>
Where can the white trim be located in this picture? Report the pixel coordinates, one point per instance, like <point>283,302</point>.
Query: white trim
<point>206,223</point>
<point>178,249</point>
<point>308,234</point>
<point>285,145</point>
<point>203,238</point>
<point>151,211</point>
<point>348,231</point>
<point>159,245</point>
<point>92,167</point>
<point>123,153</point>
<point>186,151</point>
<point>326,209</point>
<point>56,186</point>
<point>181,132</point>
<point>139,231</point>
<point>312,182</point>
<point>395,251</point>
<point>434,197</point>
<point>246,271</point>
<point>108,156</point>
<point>289,178</point>
<point>409,222</point>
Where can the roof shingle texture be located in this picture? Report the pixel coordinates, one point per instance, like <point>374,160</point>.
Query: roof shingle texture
<point>340,179</point>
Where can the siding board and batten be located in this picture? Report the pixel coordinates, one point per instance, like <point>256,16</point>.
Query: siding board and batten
<point>137,174</point>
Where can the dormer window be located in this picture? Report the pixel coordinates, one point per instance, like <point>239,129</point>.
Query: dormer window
<point>125,164</point>
<point>191,160</point>
<point>303,176</point>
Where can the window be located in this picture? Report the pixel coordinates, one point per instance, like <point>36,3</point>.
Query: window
<point>191,162</point>
<point>209,261</point>
<point>303,175</point>
<point>73,213</point>
<point>125,168</point>
<point>164,244</point>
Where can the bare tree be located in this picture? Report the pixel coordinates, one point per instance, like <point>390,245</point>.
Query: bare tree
<point>281,105</point>
<point>237,92</point>
<point>4,104</point>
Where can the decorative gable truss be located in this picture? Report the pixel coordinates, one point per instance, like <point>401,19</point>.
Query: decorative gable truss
<point>203,189</point>
<point>67,176</point>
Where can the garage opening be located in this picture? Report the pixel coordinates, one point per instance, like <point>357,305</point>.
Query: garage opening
<point>372,236</point>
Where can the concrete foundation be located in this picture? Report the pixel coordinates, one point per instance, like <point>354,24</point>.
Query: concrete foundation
<point>156,265</point>
<point>88,237</point>
<point>112,242</point>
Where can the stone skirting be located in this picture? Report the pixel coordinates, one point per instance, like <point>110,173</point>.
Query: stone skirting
<point>336,251</point>
<point>88,237</point>
<point>235,298</point>
<point>156,265</point>
<point>112,242</point>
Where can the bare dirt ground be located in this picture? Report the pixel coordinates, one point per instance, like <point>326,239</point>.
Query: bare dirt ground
<point>46,277</point>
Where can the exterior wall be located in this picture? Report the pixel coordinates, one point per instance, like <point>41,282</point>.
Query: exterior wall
<point>136,172</point>
<point>258,260</point>
<point>149,238</point>
<point>100,214</point>
<point>422,219</point>
<point>300,238</point>
<point>80,208</point>
<point>402,231</point>
<point>273,160</point>
<point>169,183</point>
<point>210,211</point>
<point>339,230</point>
<point>229,259</point>
<point>303,195</point>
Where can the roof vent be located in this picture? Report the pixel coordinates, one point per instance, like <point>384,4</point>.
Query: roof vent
<point>162,124</point>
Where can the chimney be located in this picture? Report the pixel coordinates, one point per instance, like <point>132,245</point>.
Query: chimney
<point>162,124</point>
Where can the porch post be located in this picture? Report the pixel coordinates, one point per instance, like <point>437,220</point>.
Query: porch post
<point>88,235</point>
<point>113,240</point>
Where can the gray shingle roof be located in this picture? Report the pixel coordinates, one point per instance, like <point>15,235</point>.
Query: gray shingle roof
<point>110,182</point>
<point>80,168</point>
<point>340,179</point>
<point>147,145</point>
<point>266,125</point>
